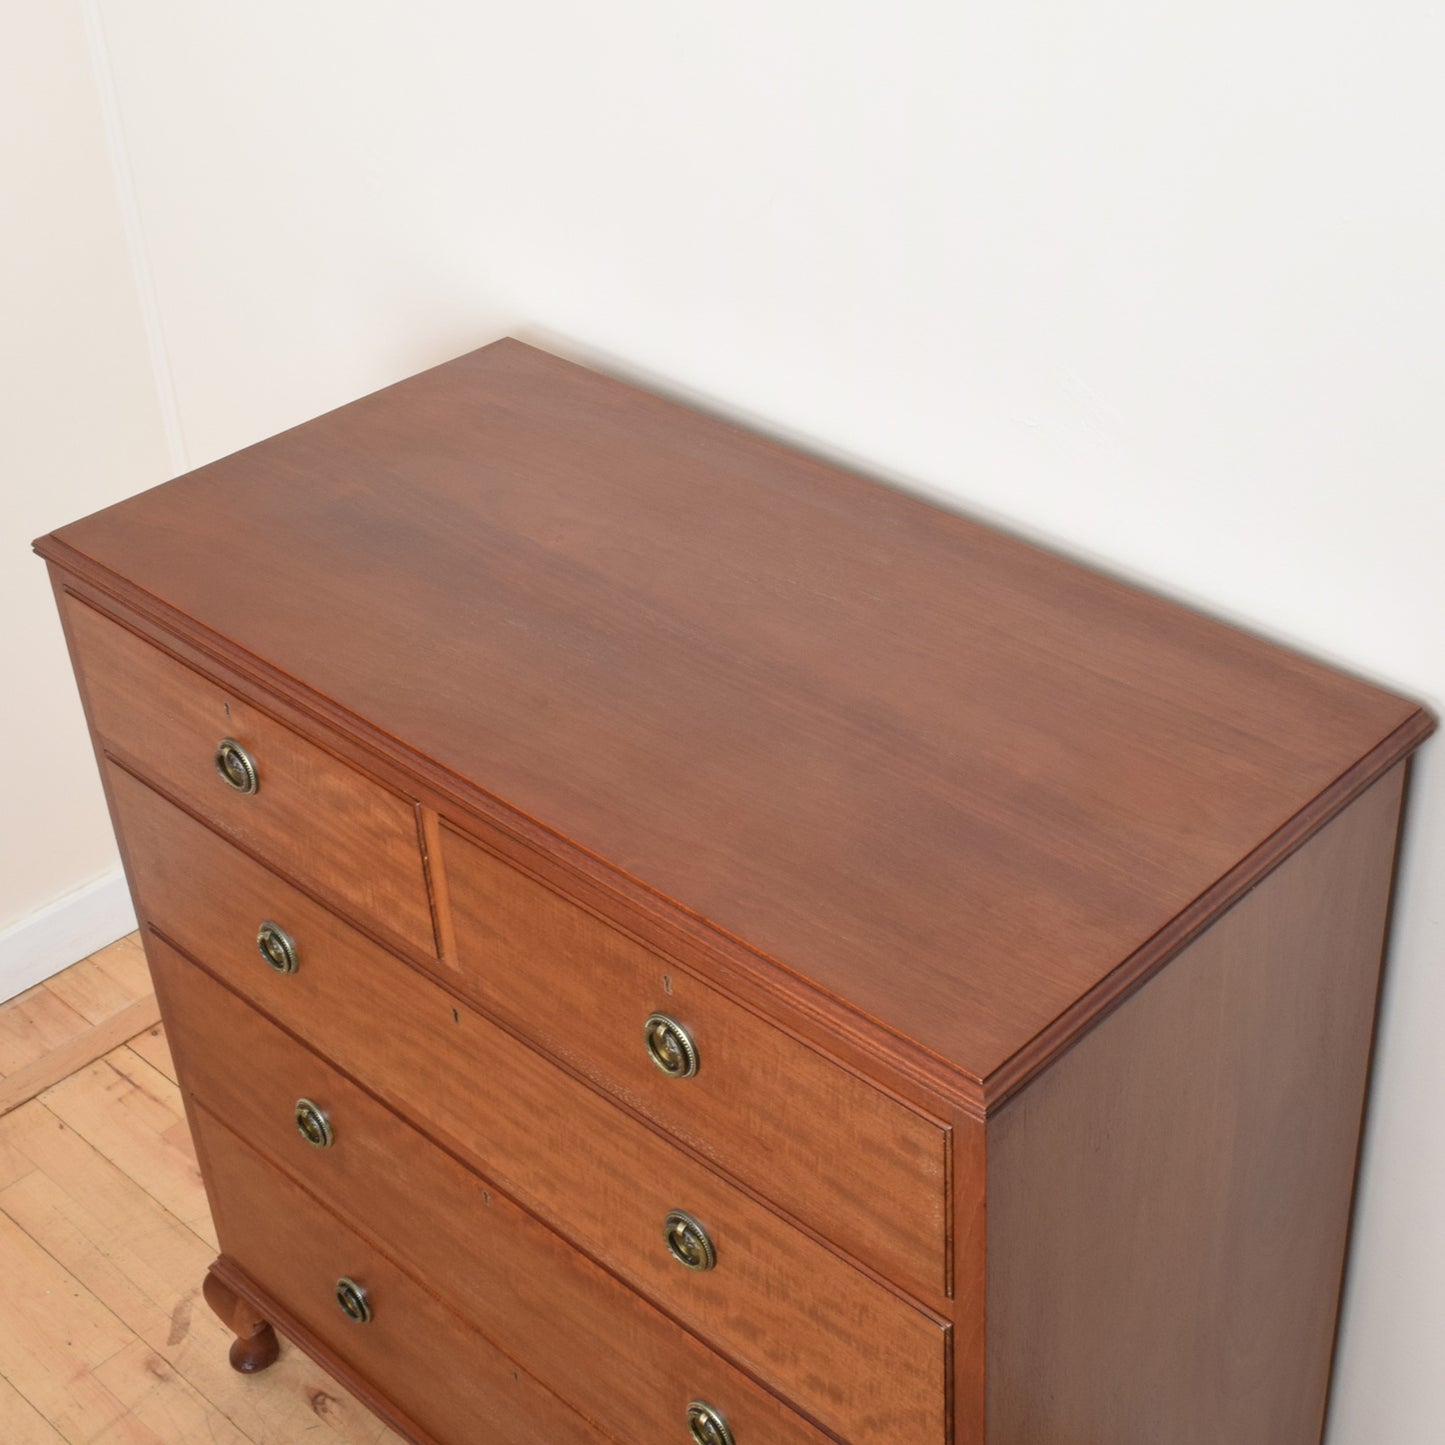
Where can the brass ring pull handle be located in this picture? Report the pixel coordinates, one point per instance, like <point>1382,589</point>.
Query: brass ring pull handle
<point>313,1124</point>
<point>706,1426</point>
<point>670,1046</point>
<point>236,766</point>
<point>277,947</point>
<point>352,1298</point>
<point>688,1242</point>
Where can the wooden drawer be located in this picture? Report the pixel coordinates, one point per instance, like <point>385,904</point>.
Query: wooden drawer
<point>316,817</point>
<point>556,1313</point>
<point>414,1350</point>
<point>860,1167</point>
<point>855,1355</point>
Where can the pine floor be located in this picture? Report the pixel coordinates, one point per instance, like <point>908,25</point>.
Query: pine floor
<point>105,1237</point>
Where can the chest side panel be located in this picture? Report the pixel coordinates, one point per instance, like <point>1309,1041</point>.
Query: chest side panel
<point>1168,1204</point>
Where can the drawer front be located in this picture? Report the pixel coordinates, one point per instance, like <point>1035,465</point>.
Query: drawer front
<point>855,1356</point>
<point>556,1313</point>
<point>863,1169</point>
<point>438,1370</point>
<point>314,816</point>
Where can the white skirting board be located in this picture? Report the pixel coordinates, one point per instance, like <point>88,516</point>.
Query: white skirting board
<point>63,933</point>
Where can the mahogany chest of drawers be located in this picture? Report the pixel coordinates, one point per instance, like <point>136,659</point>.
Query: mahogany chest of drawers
<point>665,940</point>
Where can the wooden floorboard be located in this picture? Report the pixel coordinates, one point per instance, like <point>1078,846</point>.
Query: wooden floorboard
<point>36,1077</point>
<point>104,1241</point>
<point>61,1025</point>
<point>153,1048</point>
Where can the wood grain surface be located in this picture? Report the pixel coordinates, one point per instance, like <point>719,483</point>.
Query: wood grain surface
<point>781,1302</point>
<point>355,840</point>
<point>433,1367</point>
<point>563,1318</point>
<point>865,1169</point>
<point>933,771</point>
<point>1168,1205</point>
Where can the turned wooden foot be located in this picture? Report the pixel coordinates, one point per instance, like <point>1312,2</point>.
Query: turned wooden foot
<point>255,1345</point>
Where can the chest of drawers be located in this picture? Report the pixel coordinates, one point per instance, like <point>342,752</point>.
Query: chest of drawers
<point>664,939</point>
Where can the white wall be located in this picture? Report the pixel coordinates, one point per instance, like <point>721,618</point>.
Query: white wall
<point>80,426</point>
<point>1162,284</point>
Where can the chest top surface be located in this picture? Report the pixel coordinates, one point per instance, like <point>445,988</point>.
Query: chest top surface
<point>947,777</point>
